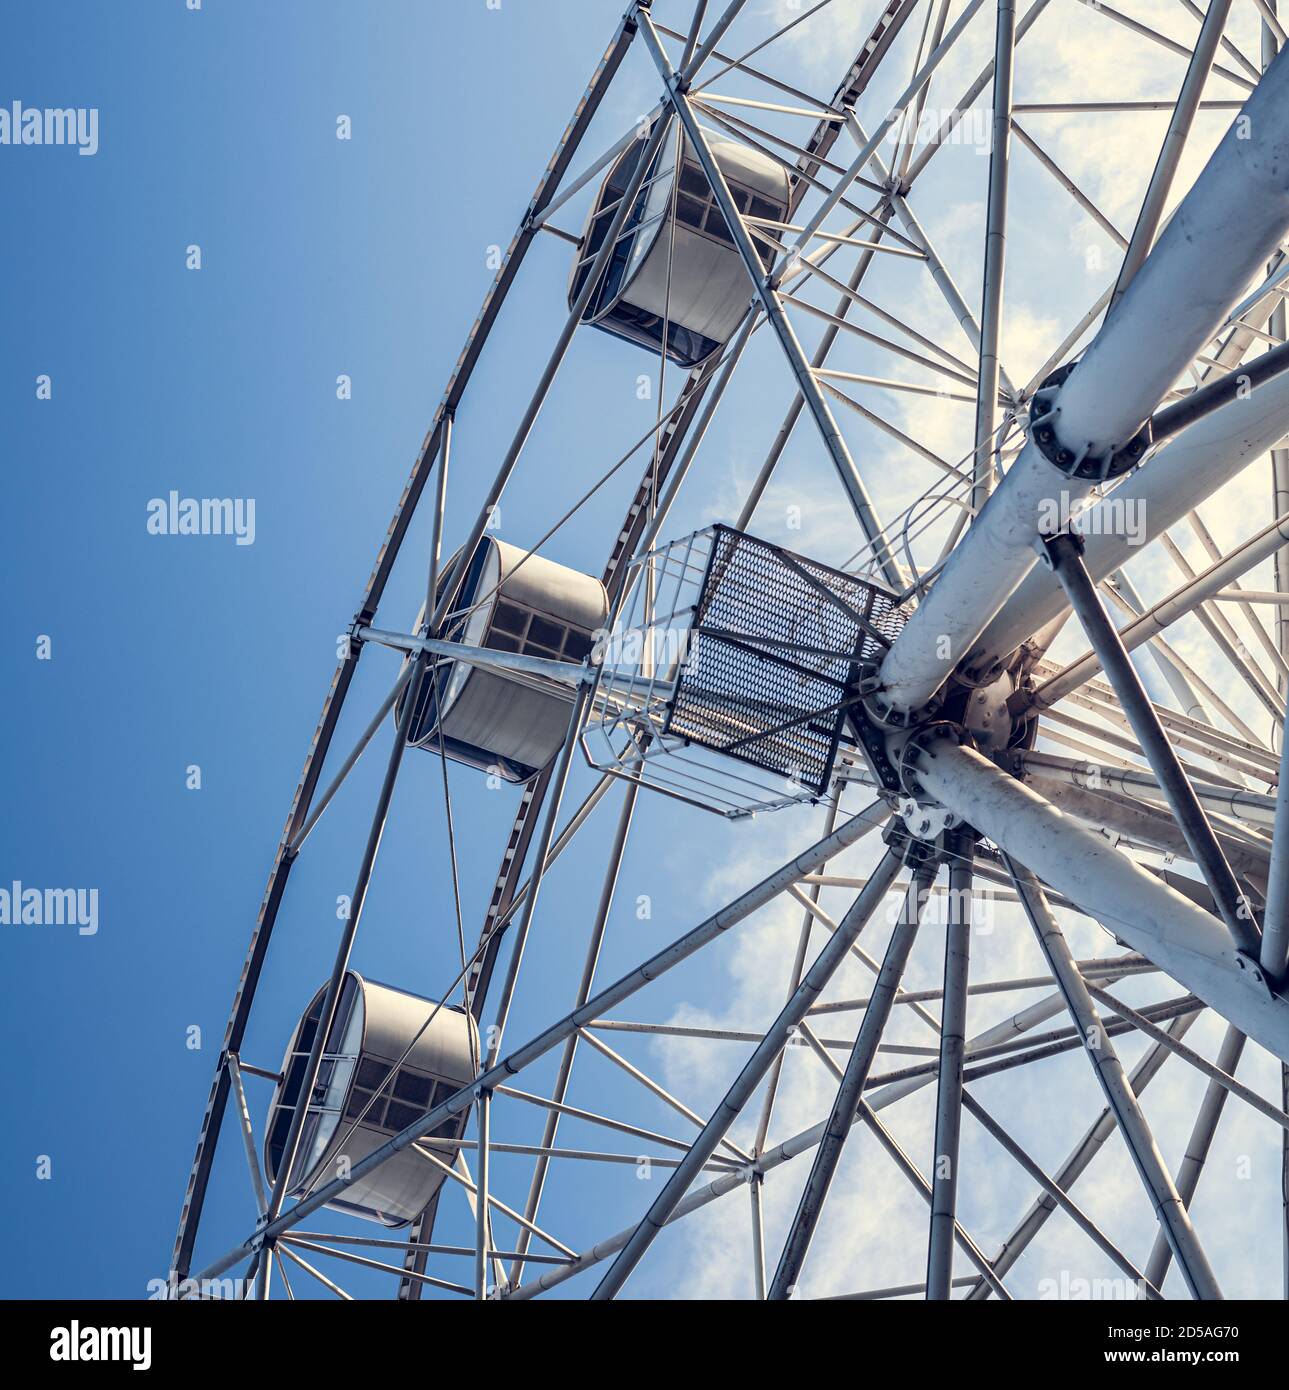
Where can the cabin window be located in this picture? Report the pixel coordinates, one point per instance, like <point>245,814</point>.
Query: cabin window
<point>414,1089</point>
<point>397,1105</point>
<point>518,629</point>
<point>399,1116</point>
<point>371,1074</point>
<point>696,208</point>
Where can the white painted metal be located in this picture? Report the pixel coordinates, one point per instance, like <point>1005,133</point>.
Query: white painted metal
<point>513,602</point>
<point>388,1055</point>
<point>1239,203</point>
<point>681,268</point>
<point>1191,467</point>
<point>983,603</point>
<point>1179,937</point>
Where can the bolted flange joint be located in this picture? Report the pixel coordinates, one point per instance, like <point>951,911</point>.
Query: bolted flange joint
<point>915,748</point>
<point>1045,412</point>
<point>880,711</point>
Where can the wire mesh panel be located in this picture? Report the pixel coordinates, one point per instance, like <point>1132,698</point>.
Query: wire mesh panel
<point>726,680</point>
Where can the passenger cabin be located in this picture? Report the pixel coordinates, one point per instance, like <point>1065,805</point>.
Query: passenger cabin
<point>684,271</point>
<point>511,723</point>
<point>374,1026</point>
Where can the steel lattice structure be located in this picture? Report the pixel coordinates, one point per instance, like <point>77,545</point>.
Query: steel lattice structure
<point>940,718</point>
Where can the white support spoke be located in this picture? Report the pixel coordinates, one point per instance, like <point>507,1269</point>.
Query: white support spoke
<point>1152,801</point>
<point>1169,1207</point>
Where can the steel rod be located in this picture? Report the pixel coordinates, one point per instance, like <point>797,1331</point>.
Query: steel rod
<point>1232,905</point>
<point>261,935</point>
<point>953,1045</point>
<point>707,931</point>
<point>1179,127</point>
<point>358,899</point>
<point>1219,1075</point>
<point>1076,1163</point>
<point>751,1075</point>
<point>991,310</point>
<point>596,941</point>
<point>1197,1147</point>
<point>1061,1198</point>
<point>849,1093</point>
<point>770,303</point>
<point>1185,941</point>
<point>1274,952</point>
<point>1221,234</point>
<point>1169,1207</point>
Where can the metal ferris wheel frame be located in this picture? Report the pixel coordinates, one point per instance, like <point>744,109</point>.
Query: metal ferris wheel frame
<point>1109,428</point>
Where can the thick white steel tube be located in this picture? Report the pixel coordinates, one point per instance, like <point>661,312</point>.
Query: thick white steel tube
<point>1186,942</point>
<point>994,557</point>
<point>1220,238</point>
<point>1192,467</point>
<point>1130,817</point>
<point>1221,235</point>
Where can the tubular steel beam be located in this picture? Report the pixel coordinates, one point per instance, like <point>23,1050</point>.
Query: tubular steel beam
<point>1197,1147</point>
<point>1060,1197</point>
<point>953,1046</point>
<point>860,1063</point>
<point>754,1070</point>
<point>707,931</point>
<point>1186,471</point>
<point>995,258</point>
<point>771,304</point>
<point>870,146</point>
<point>1066,558</point>
<point>555,795</point>
<point>765,1163</point>
<point>1275,936</point>
<point>538,398</point>
<point>1169,1207</point>
<point>1220,236</point>
<point>1204,400</point>
<point>243,1000</point>
<point>1181,938</point>
<point>483,1117</point>
<point>1152,207</point>
<point>332,996</point>
<point>1076,1164</point>
<point>560,1089</point>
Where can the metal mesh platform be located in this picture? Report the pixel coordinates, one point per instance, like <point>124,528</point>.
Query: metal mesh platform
<point>745,651</point>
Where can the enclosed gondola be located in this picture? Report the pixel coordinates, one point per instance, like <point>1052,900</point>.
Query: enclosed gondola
<point>683,270</point>
<point>509,723</point>
<point>389,1058</point>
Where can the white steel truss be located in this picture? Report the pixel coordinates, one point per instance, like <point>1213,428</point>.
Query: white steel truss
<point>1167,830</point>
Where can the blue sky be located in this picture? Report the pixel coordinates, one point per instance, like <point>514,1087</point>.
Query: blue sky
<point>319,257</point>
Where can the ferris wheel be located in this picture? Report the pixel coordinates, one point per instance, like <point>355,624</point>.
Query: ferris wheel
<point>1030,710</point>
